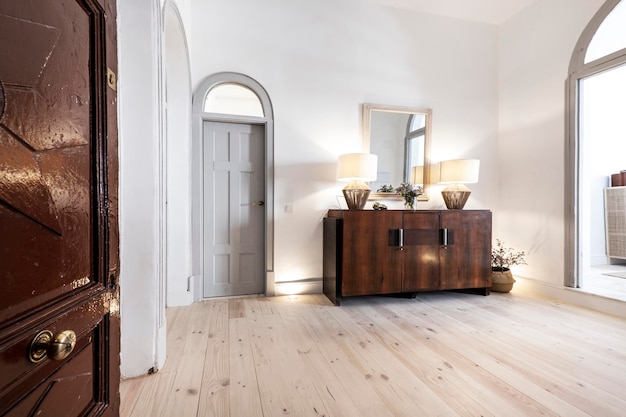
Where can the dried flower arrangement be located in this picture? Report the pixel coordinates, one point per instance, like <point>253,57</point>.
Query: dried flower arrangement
<point>503,258</point>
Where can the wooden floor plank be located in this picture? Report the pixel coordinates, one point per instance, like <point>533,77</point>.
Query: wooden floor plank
<point>214,393</point>
<point>486,347</point>
<point>444,354</point>
<point>336,389</point>
<point>244,387</point>
<point>154,396</point>
<point>184,398</point>
<point>543,373</point>
<point>541,338</point>
<point>403,390</point>
<point>291,391</point>
<point>325,330</point>
<point>130,392</point>
<point>427,364</point>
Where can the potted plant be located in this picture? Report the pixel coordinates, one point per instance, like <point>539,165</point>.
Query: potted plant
<point>409,193</point>
<point>502,259</point>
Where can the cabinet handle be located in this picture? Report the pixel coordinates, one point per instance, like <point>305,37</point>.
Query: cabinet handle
<point>401,239</point>
<point>444,236</point>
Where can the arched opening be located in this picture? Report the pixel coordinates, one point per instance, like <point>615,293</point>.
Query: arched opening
<point>176,154</point>
<point>236,99</point>
<point>414,145</point>
<point>223,102</point>
<point>594,150</point>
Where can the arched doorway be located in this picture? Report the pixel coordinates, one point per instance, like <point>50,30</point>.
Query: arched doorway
<point>232,171</point>
<point>176,153</point>
<point>594,147</point>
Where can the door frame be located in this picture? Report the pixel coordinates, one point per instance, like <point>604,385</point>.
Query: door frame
<point>577,71</point>
<point>197,166</point>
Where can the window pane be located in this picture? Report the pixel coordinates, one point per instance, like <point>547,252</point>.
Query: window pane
<point>418,121</point>
<point>233,99</point>
<point>610,36</point>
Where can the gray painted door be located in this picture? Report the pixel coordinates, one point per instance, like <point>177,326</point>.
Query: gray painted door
<point>234,209</point>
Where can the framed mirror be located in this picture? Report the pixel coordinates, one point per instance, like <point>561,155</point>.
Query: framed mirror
<point>400,137</point>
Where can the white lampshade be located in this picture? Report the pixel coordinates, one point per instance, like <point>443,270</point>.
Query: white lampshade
<point>459,171</point>
<point>417,174</point>
<point>357,166</point>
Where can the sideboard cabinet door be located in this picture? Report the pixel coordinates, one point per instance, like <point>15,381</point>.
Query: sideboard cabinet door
<point>371,264</point>
<point>465,262</point>
<point>421,251</point>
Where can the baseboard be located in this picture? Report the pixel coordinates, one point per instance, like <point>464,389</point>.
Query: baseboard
<point>305,286</point>
<point>179,299</point>
<point>182,298</point>
<point>573,296</point>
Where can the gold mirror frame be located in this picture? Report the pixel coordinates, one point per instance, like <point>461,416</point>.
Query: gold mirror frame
<point>366,119</point>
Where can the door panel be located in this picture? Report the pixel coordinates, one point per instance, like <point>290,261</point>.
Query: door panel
<point>466,262</point>
<point>421,251</point>
<point>58,205</point>
<point>370,264</point>
<point>234,215</point>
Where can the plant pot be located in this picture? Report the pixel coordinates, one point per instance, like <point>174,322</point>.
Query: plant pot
<point>502,281</point>
<point>409,203</point>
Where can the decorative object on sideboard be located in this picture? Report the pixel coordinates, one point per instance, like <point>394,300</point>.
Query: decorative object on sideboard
<point>457,173</point>
<point>379,206</point>
<point>409,193</point>
<point>357,168</point>
<point>619,179</point>
<point>502,259</point>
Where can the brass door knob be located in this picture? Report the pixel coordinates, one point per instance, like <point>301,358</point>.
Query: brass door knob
<point>56,347</point>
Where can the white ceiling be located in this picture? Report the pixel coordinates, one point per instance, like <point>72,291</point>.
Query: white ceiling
<point>487,11</point>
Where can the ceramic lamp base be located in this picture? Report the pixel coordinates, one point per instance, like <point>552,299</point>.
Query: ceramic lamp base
<point>356,199</point>
<point>455,196</point>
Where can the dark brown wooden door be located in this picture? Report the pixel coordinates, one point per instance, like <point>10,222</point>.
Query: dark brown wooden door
<point>466,261</point>
<point>421,251</point>
<point>371,264</point>
<point>59,239</point>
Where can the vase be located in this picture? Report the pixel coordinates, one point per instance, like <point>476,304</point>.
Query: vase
<point>502,281</point>
<point>409,203</point>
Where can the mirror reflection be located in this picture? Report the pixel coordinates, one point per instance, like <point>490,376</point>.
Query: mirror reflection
<point>400,137</point>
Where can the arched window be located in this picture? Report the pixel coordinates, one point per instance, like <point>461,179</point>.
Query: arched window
<point>414,144</point>
<point>229,98</point>
<point>594,138</point>
<point>610,36</point>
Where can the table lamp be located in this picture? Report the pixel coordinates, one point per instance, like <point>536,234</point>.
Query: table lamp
<point>417,174</point>
<point>357,168</point>
<point>456,173</point>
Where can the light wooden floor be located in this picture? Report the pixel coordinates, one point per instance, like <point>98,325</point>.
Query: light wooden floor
<point>441,354</point>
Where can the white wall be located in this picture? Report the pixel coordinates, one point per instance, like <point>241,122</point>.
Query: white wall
<point>143,326</point>
<point>177,158</point>
<point>535,49</point>
<point>319,61</point>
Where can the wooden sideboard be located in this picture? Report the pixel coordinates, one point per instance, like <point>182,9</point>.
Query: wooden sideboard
<point>368,252</point>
